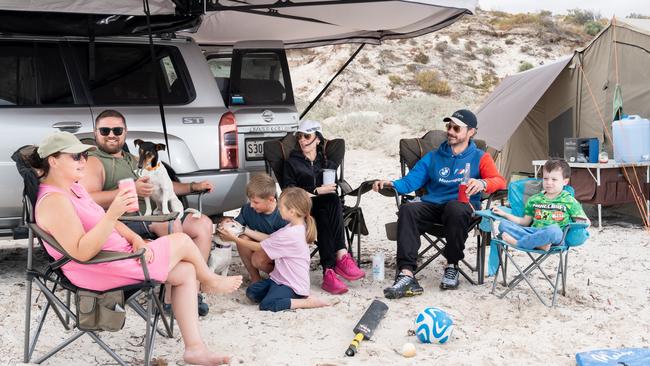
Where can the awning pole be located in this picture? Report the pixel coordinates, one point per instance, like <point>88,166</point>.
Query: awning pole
<point>331,80</point>
<point>154,68</point>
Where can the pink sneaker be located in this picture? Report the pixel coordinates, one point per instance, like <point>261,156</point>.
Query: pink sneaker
<point>332,284</point>
<point>348,269</point>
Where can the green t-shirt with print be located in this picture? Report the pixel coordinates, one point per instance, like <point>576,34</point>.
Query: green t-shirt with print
<point>559,210</point>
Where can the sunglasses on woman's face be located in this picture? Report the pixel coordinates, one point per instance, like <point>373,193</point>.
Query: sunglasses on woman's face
<point>451,126</point>
<point>105,131</point>
<point>78,156</point>
<point>306,136</point>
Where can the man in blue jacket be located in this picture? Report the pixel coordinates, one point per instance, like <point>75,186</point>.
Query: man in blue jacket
<point>440,172</point>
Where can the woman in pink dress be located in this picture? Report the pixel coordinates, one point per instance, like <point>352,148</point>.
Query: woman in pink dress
<point>66,211</point>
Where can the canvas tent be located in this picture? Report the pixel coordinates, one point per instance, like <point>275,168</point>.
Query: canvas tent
<point>528,115</point>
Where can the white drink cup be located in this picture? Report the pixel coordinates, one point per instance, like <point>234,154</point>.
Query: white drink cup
<point>329,176</point>
<point>378,267</point>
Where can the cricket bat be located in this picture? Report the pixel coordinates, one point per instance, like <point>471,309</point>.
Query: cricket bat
<point>367,325</point>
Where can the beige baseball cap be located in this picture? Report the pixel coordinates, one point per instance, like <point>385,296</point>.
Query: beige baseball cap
<point>62,142</point>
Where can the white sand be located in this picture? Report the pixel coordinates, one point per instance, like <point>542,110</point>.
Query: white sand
<point>606,306</point>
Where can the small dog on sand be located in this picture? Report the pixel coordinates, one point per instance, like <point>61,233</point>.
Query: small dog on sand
<point>221,253</point>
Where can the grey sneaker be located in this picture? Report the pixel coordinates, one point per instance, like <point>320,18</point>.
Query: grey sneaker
<point>450,278</point>
<point>403,286</point>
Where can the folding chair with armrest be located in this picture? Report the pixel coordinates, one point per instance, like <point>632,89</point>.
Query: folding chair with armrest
<point>574,234</point>
<point>276,151</point>
<point>411,150</point>
<point>51,273</point>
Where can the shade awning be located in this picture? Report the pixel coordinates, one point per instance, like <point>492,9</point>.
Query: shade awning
<point>509,104</point>
<point>310,23</point>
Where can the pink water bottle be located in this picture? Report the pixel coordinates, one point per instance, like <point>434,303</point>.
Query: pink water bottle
<point>129,184</point>
<point>462,187</point>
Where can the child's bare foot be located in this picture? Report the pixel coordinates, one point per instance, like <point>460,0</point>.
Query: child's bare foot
<point>544,247</point>
<point>221,284</point>
<point>203,356</point>
<point>508,239</point>
<point>311,302</point>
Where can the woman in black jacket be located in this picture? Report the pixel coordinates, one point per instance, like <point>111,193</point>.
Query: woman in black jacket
<point>304,169</point>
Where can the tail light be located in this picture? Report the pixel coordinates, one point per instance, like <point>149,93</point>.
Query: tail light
<point>228,137</point>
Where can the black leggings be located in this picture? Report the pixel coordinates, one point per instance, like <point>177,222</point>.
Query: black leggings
<point>328,213</point>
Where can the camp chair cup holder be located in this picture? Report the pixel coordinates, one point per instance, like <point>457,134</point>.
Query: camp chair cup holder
<point>100,311</point>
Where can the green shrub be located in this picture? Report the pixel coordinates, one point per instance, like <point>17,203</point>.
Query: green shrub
<point>580,16</point>
<point>592,28</point>
<point>430,82</point>
<point>395,80</point>
<point>421,58</point>
<point>487,51</point>
<point>441,46</point>
<point>489,80</point>
<point>525,66</point>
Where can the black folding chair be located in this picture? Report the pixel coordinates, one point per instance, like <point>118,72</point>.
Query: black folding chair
<point>411,151</point>
<point>49,279</point>
<point>277,151</point>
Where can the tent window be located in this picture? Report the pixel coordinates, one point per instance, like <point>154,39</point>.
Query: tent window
<point>33,74</point>
<point>558,129</point>
<point>124,74</point>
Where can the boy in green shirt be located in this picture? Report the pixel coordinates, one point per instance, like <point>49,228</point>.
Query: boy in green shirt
<point>548,211</point>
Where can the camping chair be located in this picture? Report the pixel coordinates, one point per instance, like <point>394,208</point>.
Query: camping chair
<point>276,151</point>
<point>411,151</point>
<point>50,280</point>
<point>575,234</point>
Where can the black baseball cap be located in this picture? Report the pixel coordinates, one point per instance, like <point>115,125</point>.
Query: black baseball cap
<point>463,117</point>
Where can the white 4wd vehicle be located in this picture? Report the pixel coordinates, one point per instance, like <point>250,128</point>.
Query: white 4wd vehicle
<point>254,80</point>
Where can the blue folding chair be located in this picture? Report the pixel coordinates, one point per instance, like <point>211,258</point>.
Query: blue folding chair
<point>575,234</point>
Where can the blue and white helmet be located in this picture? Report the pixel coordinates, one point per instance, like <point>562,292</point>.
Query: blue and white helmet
<point>433,325</point>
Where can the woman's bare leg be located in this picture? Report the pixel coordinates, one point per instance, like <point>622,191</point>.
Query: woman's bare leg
<point>183,249</point>
<point>184,301</point>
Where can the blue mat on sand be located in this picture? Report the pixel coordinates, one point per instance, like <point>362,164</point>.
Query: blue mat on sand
<point>614,357</point>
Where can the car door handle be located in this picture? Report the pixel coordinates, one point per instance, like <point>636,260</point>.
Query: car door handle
<point>70,126</point>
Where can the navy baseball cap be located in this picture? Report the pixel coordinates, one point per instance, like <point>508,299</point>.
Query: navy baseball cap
<point>463,117</point>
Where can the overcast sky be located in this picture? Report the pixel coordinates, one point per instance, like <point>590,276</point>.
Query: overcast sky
<point>606,8</point>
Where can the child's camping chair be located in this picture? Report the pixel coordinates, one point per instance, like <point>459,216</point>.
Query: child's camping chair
<point>411,151</point>
<point>277,151</point>
<point>575,234</point>
<point>50,280</point>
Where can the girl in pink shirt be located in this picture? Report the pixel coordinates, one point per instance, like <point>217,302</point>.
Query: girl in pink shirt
<point>288,285</point>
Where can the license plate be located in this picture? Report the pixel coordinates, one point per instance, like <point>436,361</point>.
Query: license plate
<point>254,149</point>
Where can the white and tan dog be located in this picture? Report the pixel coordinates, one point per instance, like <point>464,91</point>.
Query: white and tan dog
<point>221,253</point>
<point>163,189</point>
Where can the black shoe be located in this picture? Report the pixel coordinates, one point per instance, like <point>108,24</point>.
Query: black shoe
<point>204,309</point>
<point>450,278</point>
<point>403,286</point>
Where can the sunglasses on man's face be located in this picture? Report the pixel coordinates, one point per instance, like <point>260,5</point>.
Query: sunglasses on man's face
<point>451,126</point>
<point>306,136</point>
<point>78,156</point>
<point>105,131</point>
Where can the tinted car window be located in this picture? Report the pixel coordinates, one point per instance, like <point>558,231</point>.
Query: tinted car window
<point>32,74</point>
<point>262,79</point>
<point>124,74</point>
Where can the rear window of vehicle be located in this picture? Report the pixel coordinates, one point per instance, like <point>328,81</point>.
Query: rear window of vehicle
<point>124,74</point>
<point>32,74</point>
<point>260,78</point>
